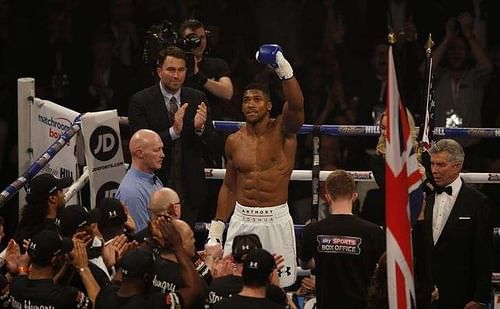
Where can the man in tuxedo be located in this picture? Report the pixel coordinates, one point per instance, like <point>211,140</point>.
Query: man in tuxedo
<point>457,219</point>
<point>181,117</point>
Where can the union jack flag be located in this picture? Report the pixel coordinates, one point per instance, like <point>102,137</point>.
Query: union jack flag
<point>403,197</point>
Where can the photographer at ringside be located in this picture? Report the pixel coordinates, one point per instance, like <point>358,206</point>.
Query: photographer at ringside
<point>211,75</point>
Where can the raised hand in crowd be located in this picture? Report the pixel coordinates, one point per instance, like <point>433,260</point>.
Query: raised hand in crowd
<point>16,262</point>
<point>222,267</point>
<point>130,225</point>
<point>466,23</point>
<point>83,237</point>
<point>409,30</point>
<point>13,252</point>
<point>80,261</point>
<point>113,251</point>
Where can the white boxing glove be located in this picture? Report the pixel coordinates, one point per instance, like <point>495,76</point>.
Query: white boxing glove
<point>283,68</point>
<point>272,55</point>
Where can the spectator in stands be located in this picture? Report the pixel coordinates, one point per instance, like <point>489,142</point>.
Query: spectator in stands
<point>44,199</point>
<point>108,83</point>
<point>459,83</point>
<point>59,67</point>
<point>259,270</point>
<point>34,284</point>
<point>180,116</point>
<point>343,247</point>
<point>373,208</point>
<point>146,148</point>
<point>459,219</point>
<point>136,272</point>
<point>127,45</point>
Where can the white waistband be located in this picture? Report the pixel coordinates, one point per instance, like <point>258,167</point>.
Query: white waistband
<point>265,213</point>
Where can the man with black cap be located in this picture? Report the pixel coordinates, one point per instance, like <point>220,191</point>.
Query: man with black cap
<point>259,270</point>
<point>75,219</point>
<point>44,198</point>
<point>35,288</point>
<point>111,218</point>
<point>136,271</point>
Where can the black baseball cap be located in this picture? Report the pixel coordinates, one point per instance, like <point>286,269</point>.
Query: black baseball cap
<point>137,262</point>
<point>244,244</point>
<point>73,217</point>
<point>46,244</point>
<point>111,212</point>
<point>42,186</point>
<point>258,265</point>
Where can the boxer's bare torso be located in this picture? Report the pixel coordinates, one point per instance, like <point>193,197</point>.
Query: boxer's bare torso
<point>263,164</point>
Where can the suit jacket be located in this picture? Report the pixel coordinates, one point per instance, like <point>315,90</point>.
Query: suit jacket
<point>147,110</point>
<point>462,256</point>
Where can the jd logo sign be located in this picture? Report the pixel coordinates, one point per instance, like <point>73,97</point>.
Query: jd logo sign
<point>108,189</point>
<point>104,143</point>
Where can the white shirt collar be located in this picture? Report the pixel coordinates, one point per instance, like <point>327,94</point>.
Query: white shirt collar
<point>456,185</point>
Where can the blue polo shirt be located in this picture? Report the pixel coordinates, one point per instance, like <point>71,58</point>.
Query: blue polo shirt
<point>135,190</point>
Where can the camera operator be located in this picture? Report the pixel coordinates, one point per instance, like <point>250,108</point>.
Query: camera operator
<point>211,75</point>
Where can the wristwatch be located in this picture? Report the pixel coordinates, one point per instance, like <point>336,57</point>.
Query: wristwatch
<point>200,130</point>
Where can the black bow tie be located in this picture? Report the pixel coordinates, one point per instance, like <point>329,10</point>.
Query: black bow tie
<point>440,190</point>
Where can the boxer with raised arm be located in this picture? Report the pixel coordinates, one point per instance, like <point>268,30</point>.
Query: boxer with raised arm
<point>260,159</point>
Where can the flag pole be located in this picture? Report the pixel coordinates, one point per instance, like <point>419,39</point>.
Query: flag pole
<point>425,135</point>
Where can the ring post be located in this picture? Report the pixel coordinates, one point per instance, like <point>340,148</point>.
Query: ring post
<point>25,97</point>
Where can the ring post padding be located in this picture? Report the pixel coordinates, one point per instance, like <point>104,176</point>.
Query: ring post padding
<point>315,172</point>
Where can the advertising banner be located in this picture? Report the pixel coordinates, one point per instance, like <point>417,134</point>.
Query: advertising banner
<point>48,122</point>
<point>103,153</point>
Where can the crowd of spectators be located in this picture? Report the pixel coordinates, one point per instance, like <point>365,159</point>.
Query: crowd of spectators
<point>88,56</point>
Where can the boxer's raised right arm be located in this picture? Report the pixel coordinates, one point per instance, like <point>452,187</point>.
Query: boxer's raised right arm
<point>293,110</point>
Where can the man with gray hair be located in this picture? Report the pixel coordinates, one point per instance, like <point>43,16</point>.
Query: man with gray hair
<point>457,219</point>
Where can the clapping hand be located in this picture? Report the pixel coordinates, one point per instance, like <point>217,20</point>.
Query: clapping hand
<point>179,119</point>
<point>200,117</point>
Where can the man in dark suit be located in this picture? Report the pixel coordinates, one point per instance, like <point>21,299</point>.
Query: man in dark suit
<point>457,219</point>
<point>181,118</point>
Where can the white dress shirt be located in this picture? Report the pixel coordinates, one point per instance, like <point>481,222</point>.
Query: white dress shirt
<point>443,204</point>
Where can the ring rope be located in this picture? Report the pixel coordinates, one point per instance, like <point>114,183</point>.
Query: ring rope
<point>362,130</point>
<point>36,166</point>
<point>360,176</point>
